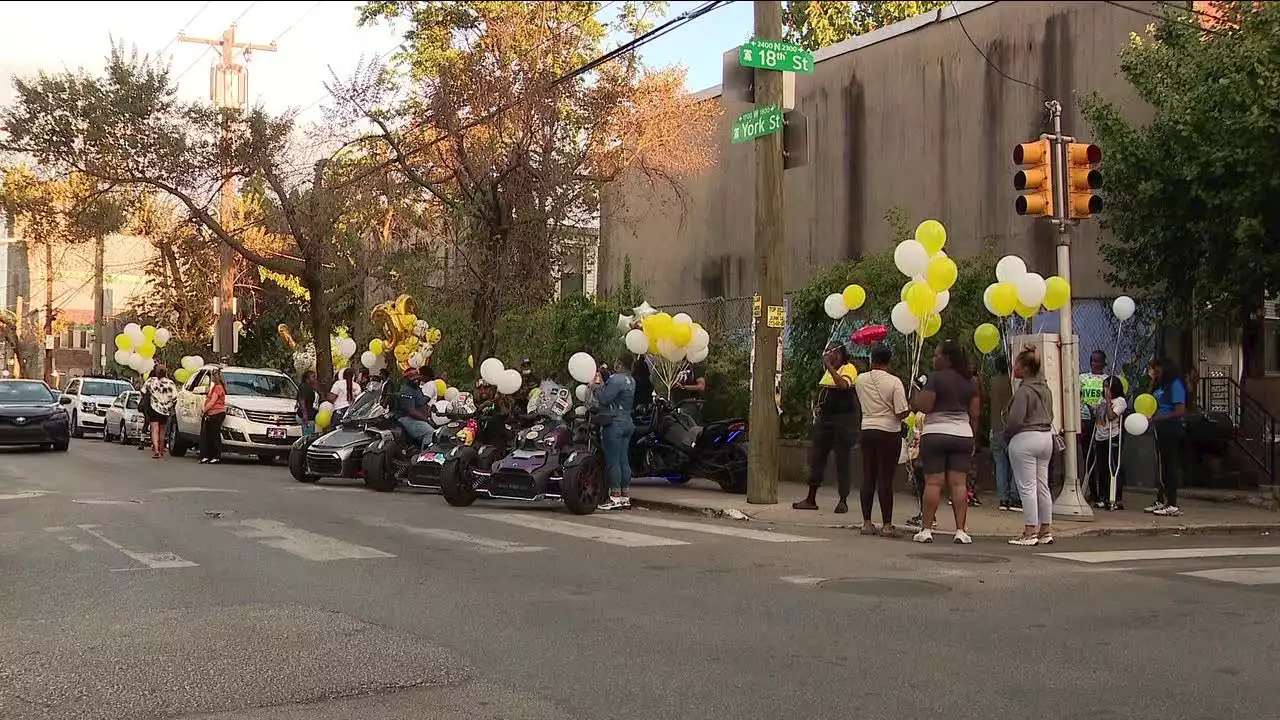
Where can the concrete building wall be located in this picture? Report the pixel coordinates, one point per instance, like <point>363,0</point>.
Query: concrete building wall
<point>910,116</point>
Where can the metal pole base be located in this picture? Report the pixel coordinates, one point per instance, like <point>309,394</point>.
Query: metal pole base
<point>1070,505</point>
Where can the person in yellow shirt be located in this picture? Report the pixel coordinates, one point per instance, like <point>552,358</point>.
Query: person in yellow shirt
<point>835,426</point>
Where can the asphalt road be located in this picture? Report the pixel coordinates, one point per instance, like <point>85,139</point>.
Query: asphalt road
<point>134,588</point>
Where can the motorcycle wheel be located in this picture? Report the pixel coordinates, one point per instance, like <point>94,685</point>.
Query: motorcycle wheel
<point>456,483</point>
<point>678,480</point>
<point>297,463</point>
<point>734,480</point>
<point>378,474</point>
<point>585,486</point>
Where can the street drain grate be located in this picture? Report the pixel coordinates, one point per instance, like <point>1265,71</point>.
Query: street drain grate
<point>885,587</point>
<point>962,558</point>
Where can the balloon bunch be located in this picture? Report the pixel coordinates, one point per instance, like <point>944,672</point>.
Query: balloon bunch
<point>837,305</point>
<point>341,348</point>
<point>190,364</point>
<point>1018,291</point>
<point>668,339</point>
<point>505,380</point>
<point>410,339</point>
<point>1144,406</point>
<point>136,346</point>
<point>930,274</point>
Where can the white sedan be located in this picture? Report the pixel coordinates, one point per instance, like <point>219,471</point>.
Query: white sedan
<point>124,422</point>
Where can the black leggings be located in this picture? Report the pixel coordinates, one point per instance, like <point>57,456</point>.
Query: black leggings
<point>1104,456</point>
<point>880,450</point>
<point>834,434</point>
<point>211,436</point>
<point>1169,434</point>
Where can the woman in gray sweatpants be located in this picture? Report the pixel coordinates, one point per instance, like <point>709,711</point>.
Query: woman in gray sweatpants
<point>1028,430</point>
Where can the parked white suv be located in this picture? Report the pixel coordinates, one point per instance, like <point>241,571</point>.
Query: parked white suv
<point>261,413</point>
<point>87,401</point>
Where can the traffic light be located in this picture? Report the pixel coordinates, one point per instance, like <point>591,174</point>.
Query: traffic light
<point>1035,179</point>
<point>1083,179</point>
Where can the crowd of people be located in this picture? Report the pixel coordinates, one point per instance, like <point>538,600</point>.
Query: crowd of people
<point>934,432</point>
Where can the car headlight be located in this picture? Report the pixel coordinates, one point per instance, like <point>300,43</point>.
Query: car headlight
<point>233,411</point>
<point>87,406</point>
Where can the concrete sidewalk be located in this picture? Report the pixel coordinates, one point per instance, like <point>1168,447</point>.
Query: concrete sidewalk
<point>1198,516</point>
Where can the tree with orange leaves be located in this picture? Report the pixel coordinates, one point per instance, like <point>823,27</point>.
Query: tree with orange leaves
<point>488,112</point>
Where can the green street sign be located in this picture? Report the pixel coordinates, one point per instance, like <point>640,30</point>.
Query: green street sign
<point>774,55</point>
<point>757,123</point>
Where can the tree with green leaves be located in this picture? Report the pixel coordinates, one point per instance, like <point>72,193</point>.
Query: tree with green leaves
<point>815,25</point>
<point>487,115</point>
<point>1190,195</point>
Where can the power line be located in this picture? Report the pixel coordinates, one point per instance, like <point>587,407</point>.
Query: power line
<point>1167,18</point>
<point>185,25</point>
<point>956,14</point>
<point>193,64</point>
<point>240,17</point>
<point>295,24</point>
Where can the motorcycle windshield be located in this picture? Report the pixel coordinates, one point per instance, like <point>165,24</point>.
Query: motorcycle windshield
<point>551,400</point>
<point>366,407</point>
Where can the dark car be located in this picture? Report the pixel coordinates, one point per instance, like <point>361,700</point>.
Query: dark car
<point>30,415</point>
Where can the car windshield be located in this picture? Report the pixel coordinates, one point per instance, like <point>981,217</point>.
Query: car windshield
<point>14,393</point>
<point>260,385</point>
<point>106,388</point>
<point>366,406</point>
<point>131,403</point>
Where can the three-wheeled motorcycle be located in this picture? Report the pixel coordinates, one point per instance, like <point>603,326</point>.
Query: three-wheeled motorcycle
<point>673,446</point>
<point>555,457</point>
<point>393,460</point>
<point>339,452</point>
<point>485,432</point>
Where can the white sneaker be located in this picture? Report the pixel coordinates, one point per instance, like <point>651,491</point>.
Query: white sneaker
<point>1153,507</point>
<point>1025,541</point>
<point>1168,511</point>
<point>612,503</point>
<point>962,538</point>
<point>1046,539</point>
<point>924,536</point>
<point>624,502</point>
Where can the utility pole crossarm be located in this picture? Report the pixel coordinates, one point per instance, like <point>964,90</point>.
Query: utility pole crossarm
<point>217,42</point>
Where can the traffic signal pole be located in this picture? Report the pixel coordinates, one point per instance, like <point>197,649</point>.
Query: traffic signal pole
<point>1070,503</point>
<point>762,466</point>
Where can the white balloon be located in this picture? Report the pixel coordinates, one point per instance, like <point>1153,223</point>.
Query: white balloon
<point>122,357</point>
<point>417,360</point>
<point>1123,307</point>
<point>903,320</point>
<point>671,351</point>
<point>1031,289</point>
<point>1136,424</point>
<point>683,319</point>
<point>491,369</point>
<point>637,342</point>
<point>580,392</point>
<point>1010,268</point>
<point>580,411</point>
<point>132,328</point>
<point>834,306</point>
<point>147,366</point>
<point>986,297</point>
<point>701,341</point>
<point>698,356</point>
<point>911,258</point>
<point>510,382</point>
<point>429,389</point>
<point>163,336</point>
<point>944,299</point>
<point>198,361</point>
<point>135,362</point>
<point>582,367</point>
<point>450,394</point>
<point>368,359</point>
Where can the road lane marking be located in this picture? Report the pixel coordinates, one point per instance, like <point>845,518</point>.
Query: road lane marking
<point>193,490</point>
<point>710,529</point>
<point>71,541</point>
<point>302,543</point>
<point>803,580</point>
<point>107,502</point>
<point>153,560</point>
<point>481,544</point>
<point>1108,556</point>
<point>1240,576</point>
<point>24,495</point>
<point>578,530</point>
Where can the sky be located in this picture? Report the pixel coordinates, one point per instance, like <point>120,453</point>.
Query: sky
<point>312,38</point>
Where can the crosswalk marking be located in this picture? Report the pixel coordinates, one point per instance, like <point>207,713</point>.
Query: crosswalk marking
<point>579,530</point>
<point>153,560</point>
<point>481,544</point>
<point>23,495</point>
<point>166,490</point>
<point>302,543</point>
<point>710,529</point>
<point>1240,576</point>
<point>1162,554</point>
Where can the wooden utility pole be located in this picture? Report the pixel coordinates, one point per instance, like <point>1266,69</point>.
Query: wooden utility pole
<point>228,88</point>
<point>762,468</point>
<point>20,310</point>
<point>48,312</point>
<point>99,305</point>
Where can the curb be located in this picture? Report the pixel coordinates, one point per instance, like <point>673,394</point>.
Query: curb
<point>1192,529</point>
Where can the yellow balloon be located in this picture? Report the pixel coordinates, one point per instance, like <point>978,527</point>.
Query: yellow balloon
<point>147,350</point>
<point>658,327</point>
<point>1026,311</point>
<point>1145,404</point>
<point>1057,291</point>
<point>921,300</point>
<point>323,418</point>
<point>402,353</point>
<point>182,375</point>
<point>471,361</point>
<point>441,388</point>
<point>986,337</point>
<point>149,332</point>
<point>123,342</point>
<point>681,334</point>
<point>854,296</point>
<point>906,289</point>
<point>376,347</point>
<point>941,273</point>
<point>1004,299</point>
<point>910,421</point>
<point>931,325</point>
<point>933,236</point>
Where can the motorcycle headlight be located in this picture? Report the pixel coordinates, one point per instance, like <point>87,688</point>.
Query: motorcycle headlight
<point>233,411</point>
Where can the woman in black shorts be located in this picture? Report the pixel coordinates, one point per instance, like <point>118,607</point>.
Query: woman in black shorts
<point>952,408</point>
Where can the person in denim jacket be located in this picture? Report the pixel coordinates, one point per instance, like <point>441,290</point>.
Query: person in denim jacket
<point>615,399</point>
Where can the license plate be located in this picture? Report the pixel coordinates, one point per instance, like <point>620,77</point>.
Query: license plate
<point>432,457</point>
<point>277,433</point>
